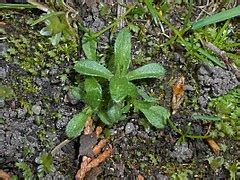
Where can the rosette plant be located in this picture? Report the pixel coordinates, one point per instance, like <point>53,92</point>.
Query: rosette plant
<point>110,95</point>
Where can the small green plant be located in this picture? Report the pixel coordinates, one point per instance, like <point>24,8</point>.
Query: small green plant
<point>58,19</point>
<point>233,170</point>
<point>111,94</point>
<point>27,171</point>
<point>45,162</point>
<point>182,175</point>
<point>227,108</point>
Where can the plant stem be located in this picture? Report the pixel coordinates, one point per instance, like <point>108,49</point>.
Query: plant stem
<point>113,24</point>
<point>179,131</point>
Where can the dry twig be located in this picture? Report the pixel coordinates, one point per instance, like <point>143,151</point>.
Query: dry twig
<point>213,145</point>
<point>178,94</point>
<point>4,175</point>
<point>89,163</point>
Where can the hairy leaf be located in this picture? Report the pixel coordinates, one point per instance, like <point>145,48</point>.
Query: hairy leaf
<point>93,90</point>
<point>104,117</point>
<point>122,52</point>
<point>119,88</point>
<point>92,68</point>
<point>89,46</point>
<point>156,115</point>
<point>152,70</point>
<point>77,123</point>
<point>114,113</point>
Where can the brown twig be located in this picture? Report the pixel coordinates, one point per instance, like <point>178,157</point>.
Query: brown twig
<point>88,163</point>
<point>59,146</point>
<point>98,131</point>
<point>213,145</point>
<point>4,175</point>
<point>88,126</point>
<point>95,162</point>
<point>97,149</point>
<point>217,51</point>
<point>178,94</point>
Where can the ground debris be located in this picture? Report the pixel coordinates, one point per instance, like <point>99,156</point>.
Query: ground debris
<point>214,146</point>
<point>92,161</point>
<point>178,94</point>
<point>4,175</point>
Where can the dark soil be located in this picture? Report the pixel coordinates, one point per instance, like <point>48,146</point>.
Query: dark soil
<point>35,115</point>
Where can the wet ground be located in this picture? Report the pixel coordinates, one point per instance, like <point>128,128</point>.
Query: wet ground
<point>37,104</point>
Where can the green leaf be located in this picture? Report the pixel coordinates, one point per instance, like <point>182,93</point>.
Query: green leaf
<point>145,96</point>
<point>77,123</point>
<point>47,16</point>
<point>104,118</point>
<point>89,46</point>
<point>92,68</point>
<point>227,14</point>
<point>119,88</point>
<point>114,113</point>
<point>56,39</point>
<point>122,52</point>
<point>77,92</point>
<point>152,70</point>
<point>206,117</point>
<point>93,90</point>
<point>216,163</point>
<point>16,6</point>
<point>156,115</point>
<point>153,11</point>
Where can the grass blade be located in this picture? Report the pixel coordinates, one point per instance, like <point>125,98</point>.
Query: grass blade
<point>47,16</point>
<point>15,6</point>
<point>227,14</point>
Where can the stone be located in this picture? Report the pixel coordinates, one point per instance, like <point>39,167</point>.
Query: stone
<point>182,152</point>
<point>3,73</point>
<point>129,128</point>
<point>21,113</point>
<point>36,109</point>
<point>2,103</point>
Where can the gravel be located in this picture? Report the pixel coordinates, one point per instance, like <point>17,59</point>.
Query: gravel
<point>182,152</point>
<point>3,73</point>
<point>36,109</point>
<point>215,81</point>
<point>21,113</point>
<point>129,128</point>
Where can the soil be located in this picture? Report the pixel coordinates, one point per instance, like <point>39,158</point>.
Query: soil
<point>40,103</point>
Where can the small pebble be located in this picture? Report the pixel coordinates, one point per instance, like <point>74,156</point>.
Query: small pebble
<point>182,152</point>
<point>21,113</point>
<point>3,73</point>
<point>36,109</point>
<point>129,128</point>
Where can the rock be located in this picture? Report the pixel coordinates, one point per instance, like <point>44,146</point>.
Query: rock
<point>129,128</point>
<point>38,81</point>
<point>54,70</point>
<point>182,152</point>
<point>3,49</point>
<point>62,122</point>
<point>36,109</point>
<point>21,113</point>
<point>215,81</point>
<point>2,103</point>
<point>71,98</point>
<point>3,73</point>
<point>160,176</point>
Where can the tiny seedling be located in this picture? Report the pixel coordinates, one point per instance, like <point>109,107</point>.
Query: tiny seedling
<point>110,95</point>
<point>58,19</point>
